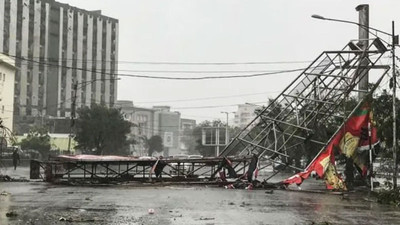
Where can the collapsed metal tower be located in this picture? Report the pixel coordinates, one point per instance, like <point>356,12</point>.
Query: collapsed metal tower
<point>291,123</point>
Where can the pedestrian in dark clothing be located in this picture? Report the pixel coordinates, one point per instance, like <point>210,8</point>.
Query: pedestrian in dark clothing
<point>159,168</point>
<point>252,168</point>
<point>16,159</point>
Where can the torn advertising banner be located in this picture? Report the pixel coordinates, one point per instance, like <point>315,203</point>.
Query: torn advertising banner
<point>353,140</point>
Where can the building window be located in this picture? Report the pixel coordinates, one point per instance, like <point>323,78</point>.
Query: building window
<point>2,109</point>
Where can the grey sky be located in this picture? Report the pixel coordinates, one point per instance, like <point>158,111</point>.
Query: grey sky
<point>226,31</point>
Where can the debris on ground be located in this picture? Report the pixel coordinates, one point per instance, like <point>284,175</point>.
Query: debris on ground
<point>270,191</point>
<point>244,204</point>
<point>11,214</point>
<point>391,197</point>
<point>151,211</point>
<point>4,193</point>
<point>207,218</point>
<point>62,219</point>
<point>79,219</point>
<point>5,178</point>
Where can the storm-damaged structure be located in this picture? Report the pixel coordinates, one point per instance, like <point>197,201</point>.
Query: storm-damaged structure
<point>294,123</point>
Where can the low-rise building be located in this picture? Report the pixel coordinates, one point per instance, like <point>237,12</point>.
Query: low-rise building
<point>148,122</point>
<point>7,77</point>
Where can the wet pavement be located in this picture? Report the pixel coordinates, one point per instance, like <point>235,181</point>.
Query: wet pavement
<point>43,203</point>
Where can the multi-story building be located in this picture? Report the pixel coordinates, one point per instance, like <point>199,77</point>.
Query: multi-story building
<point>7,71</point>
<point>148,122</point>
<point>245,114</point>
<point>57,49</point>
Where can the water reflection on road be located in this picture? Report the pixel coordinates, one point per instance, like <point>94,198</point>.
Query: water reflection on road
<point>42,203</point>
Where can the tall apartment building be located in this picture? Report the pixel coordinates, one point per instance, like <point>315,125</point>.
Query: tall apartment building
<point>57,46</point>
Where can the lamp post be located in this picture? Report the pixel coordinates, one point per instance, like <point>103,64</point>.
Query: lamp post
<point>395,41</point>
<point>227,128</point>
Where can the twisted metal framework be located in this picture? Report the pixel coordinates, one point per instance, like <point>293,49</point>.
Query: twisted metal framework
<point>291,123</point>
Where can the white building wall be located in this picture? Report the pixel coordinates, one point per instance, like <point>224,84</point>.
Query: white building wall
<point>46,48</point>
<point>68,83</point>
<point>60,101</point>
<point>36,55</point>
<point>108,63</point>
<point>23,95</point>
<point>13,27</point>
<point>79,52</point>
<point>89,57</point>
<point>7,74</point>
<point>116,60</point>
<point>98,59</point>
<point>1,24</point>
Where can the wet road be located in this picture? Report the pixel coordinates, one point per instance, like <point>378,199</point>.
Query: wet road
<point>42,203</point>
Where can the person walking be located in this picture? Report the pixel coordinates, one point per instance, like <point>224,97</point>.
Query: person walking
<point>15,157</point>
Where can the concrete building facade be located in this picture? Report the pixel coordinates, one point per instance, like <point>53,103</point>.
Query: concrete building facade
<point>7,72</point>
<point>245,114</point>
<point>57,46</point>
<point>158,120</point>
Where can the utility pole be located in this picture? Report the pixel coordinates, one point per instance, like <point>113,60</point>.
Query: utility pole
<point>394,42</point>
<point>72,118</point>
<point>363,36</point>
<point>217,140</point>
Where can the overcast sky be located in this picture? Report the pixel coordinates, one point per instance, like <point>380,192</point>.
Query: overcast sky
<point>225,31</point>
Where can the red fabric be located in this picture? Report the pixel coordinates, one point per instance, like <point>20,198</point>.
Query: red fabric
<point>353,126</point>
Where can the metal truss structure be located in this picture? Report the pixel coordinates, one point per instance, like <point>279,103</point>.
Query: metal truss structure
<point>111,169</point>
<point>291,123</point>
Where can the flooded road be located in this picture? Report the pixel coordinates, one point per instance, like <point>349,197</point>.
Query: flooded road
<point>42,203</point>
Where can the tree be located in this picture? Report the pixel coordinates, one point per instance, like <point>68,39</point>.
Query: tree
<point>155,144</point>
<point>189,141</point>
<point>383,118</point>
<point>37,139</point>
<point>101,130</point>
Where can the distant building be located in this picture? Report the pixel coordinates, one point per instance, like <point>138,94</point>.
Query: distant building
<point>7,72</point>
<point>167,125</point>
<point>148,122</point>
<point>187,126</point>
<point>245,114</point>
<point>56,46</point>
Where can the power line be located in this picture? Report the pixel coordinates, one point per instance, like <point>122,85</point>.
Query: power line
<point>212,106</point>
<point>172,63</point>
<point>168,78</point>
<point>207,98</point>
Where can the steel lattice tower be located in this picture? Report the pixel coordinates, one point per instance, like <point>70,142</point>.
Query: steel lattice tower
<point>291,123</point>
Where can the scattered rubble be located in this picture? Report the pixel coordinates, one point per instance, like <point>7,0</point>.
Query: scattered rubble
<point>11,214</point>
<point>207,218</point>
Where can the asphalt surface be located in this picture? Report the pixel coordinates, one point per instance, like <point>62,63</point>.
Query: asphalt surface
<point>43,203</point>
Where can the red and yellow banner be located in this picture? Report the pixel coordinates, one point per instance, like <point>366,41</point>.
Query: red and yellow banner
<point>351,140</point>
